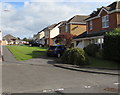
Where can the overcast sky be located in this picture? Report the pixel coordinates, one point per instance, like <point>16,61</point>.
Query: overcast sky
<point>23,18</point>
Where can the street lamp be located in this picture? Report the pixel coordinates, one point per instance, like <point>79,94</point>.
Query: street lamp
<point>0,42</point>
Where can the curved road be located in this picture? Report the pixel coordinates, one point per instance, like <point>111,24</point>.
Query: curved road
<point>40,76</point>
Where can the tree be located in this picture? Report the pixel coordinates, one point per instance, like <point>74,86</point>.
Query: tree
<point>28,40</point>
<point>65,39</point>
<point>18,38</point>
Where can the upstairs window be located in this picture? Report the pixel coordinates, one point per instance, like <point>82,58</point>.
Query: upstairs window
<point>105,21</point>
<point>91,27</point>
<point>66,27</point>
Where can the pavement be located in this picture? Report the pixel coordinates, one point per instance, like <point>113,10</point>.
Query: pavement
<point>8,56</point>
<point>0,58</point>
<point>89,70</point>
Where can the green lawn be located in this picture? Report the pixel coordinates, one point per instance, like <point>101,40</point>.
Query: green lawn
<point>25,52</point>
<point>102,63</point>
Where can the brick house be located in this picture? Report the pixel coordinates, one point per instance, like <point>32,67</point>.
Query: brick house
<point>75,25</point>
<point>51,32</point>
<point>100,21</point>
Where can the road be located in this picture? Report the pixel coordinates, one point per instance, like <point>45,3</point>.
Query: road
<point>40,76</point>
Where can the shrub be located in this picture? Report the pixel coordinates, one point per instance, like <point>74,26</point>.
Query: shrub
<point>112,45</point>
<point>99,54</point>
<point>91,49</point>
<point>75,56</point>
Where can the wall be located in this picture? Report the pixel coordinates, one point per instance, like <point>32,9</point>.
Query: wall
<point>54,32</point>
<point>77,29</point>
<point>118,20</point>
<point>42,34</point>
<point>97,23</point>
<point>62,29</point>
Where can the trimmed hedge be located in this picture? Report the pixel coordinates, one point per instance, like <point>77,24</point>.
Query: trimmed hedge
<point>75,56</point>
<point>91,50</point>
<point>112,45</point>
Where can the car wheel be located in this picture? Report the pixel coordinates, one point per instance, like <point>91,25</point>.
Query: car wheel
<point>58,55</point>
<point>30,45</point>
<point>40,45</point>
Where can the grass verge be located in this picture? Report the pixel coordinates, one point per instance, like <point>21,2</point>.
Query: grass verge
<point>25,52</point>
<point>102,63</point>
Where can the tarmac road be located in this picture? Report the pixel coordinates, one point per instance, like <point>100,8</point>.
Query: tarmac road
<point>44,77</point>
<point>40,76</point>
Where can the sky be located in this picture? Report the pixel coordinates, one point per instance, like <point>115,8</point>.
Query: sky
<point>24,18</point>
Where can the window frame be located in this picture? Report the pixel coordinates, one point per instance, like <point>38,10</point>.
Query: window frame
<point>91,25</point>
<point>105,21</point>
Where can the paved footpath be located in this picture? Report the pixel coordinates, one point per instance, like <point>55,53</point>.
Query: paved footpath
<point>8,56</point>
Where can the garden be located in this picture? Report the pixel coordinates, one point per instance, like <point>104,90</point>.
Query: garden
<point>93,56</point>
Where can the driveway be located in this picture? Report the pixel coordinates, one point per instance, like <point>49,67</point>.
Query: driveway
<point>40,76</point>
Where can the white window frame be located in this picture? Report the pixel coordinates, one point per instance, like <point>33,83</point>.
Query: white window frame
<point>105,21</point>
<point>66,27</point>
<point>91,26</point>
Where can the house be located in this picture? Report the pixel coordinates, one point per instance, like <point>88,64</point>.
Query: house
<point>10,40</point>
<point>102,20</point>
<point>51,32</point>
<point>75,25</point>
<point>40,37</point>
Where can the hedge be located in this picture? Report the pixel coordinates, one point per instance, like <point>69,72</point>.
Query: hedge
<point>91,49</point>
<point>112,45</point>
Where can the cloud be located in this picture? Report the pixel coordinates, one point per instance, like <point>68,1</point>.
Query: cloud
<point>58,0</point>
<point>34,16</point>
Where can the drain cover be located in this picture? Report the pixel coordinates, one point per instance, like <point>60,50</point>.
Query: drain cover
<point>111,89</point>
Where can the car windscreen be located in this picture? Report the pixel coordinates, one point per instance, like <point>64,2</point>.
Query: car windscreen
<point>52,47</point>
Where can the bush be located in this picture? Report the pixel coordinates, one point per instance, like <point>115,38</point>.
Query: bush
<point>99,54</point>
<point>112,45</point>
<point>91,50</point>
<point>75,56</point>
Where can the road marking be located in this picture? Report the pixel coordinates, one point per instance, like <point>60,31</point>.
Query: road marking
<point>116,83</point>
<point>87,86</point>
<point>53,90</point>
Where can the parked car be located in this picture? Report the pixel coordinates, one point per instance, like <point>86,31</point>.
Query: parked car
<point>33,43</point>
<point>56,50</point>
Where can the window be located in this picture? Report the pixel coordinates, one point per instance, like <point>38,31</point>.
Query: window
<point>105,21</point>
<point>91,25</point>
<point>66,27</point>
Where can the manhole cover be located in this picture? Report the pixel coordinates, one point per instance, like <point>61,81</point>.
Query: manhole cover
<point>111,89</point>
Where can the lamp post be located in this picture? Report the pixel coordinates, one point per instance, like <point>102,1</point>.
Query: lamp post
<point>1,43</point>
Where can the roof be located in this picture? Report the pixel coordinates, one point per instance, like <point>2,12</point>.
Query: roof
<point>52,26</point>
<point>93,34</point>
<point>115,5</point>
<point>63,23</point>
<point>77,18</point>
<point>42,30</point>
<point>9,37</point>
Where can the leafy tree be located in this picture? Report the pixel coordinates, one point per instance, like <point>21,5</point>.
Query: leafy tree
<point>28,40</point>
<point>65,39</point>
<point>18,38</point>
